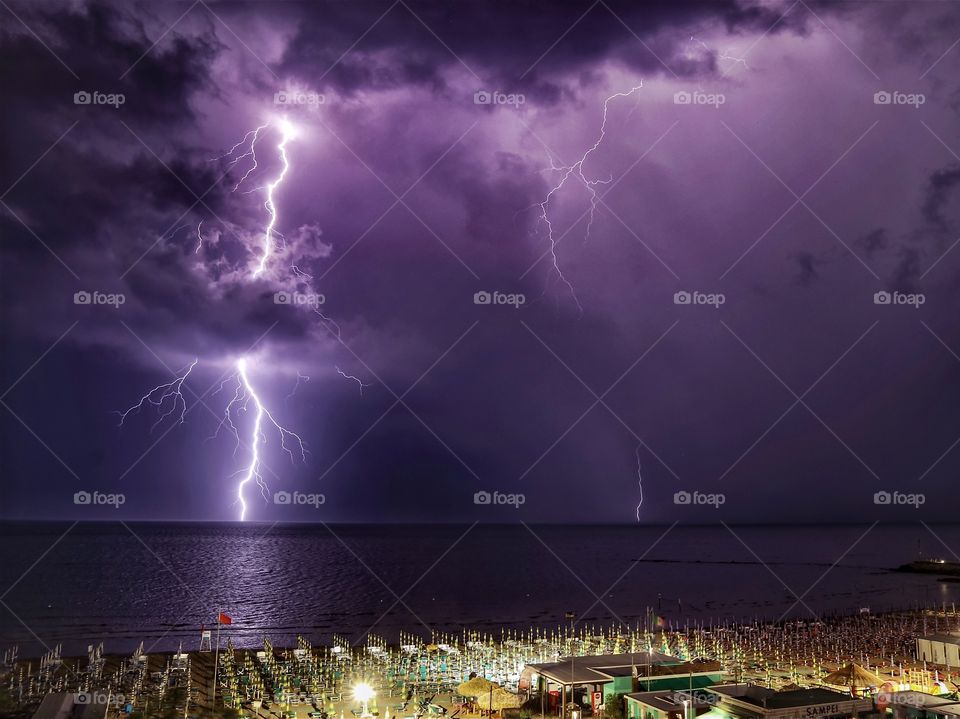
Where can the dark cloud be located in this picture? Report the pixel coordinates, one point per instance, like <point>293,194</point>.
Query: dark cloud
<point>807,265</point>
<point>499,397</point>
<point>939,192</point>
<point>530,49</point>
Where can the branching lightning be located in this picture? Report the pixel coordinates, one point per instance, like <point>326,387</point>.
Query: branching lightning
<point>359,382</point>
<point>158,397</point>
<point>247,148</point>
<point>167,399</point>
<point>577,172</point>
<point>244,395</point>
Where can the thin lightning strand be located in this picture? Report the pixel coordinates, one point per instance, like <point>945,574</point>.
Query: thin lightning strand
<point>576,170</point>
<point>199,238</point>
<point>159,395</point>
<point>359,382</point>
<point>301,379</point>
<point>639,483</point>
<point>723,55</point>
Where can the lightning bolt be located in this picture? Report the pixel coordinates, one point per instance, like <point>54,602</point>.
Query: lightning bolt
<point>247,148</point>
<point>244,395</point>
<point>722,55</point>
<point>300,378</point>
<point>199,238</point>
<point>300,274</point>
<point>639,483</point>
<point>359,382</point>
<point>158,396</point>
<point>576,171</point>
<point>286,130</point>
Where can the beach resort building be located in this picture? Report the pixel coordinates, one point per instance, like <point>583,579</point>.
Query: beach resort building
<point>943,649</point>
<point>750,701</point>
<point>586,681</point>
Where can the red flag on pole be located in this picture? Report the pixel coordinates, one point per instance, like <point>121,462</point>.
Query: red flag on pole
<point>224,619</point>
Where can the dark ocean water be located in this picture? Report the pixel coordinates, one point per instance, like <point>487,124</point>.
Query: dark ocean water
<point>159,582</point>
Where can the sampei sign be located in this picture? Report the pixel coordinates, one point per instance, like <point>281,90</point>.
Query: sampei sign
<point>821,711</point>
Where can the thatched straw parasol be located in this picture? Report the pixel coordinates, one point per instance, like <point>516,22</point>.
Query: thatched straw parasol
<point>477,687</point>
<point>500,699</point>
<point>853,676</point>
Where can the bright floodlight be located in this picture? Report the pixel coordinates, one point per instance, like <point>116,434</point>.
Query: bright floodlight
<point>363,693</point>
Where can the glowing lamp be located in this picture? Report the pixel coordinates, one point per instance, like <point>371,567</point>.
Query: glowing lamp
<point>363,693</point>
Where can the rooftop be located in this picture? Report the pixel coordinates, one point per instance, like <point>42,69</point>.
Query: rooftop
<point>770,699</point>
<point>671,700</point>
<point>943,638</point>
<point>602,668</point>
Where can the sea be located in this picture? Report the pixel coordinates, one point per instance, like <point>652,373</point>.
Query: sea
<point>161,584</point>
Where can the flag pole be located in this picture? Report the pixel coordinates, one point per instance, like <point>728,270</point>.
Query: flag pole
<point>216,666</point>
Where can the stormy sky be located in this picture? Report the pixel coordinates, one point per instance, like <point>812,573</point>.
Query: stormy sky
<point>717,239</point>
